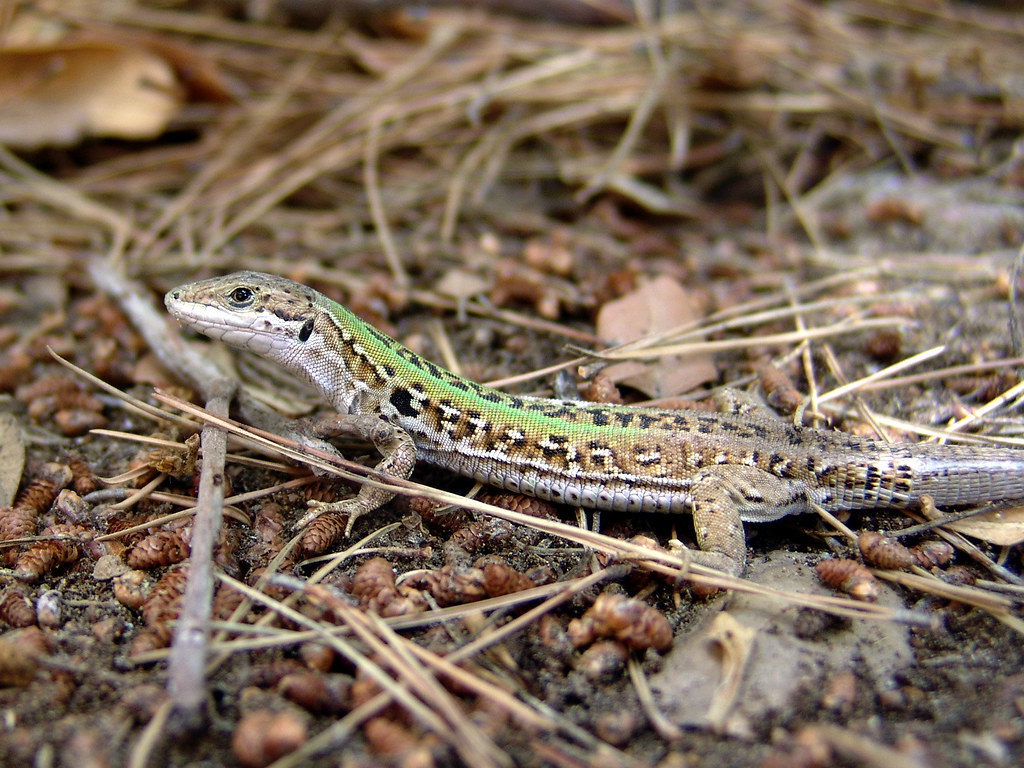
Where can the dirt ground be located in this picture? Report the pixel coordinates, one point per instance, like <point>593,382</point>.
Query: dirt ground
<point>803,197</point>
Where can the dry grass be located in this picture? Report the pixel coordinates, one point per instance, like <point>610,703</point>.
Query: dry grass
<point>335,134</point>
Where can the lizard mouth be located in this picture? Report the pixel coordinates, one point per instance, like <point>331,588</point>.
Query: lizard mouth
<point>255,333</point>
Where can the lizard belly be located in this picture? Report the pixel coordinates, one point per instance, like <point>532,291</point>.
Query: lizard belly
<point>622,493</point>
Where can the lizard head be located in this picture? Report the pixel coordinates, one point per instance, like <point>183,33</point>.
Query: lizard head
<point>265,314</point>
<point>291,324</point>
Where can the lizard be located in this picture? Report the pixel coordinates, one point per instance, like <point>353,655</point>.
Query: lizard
<point>723,468</point>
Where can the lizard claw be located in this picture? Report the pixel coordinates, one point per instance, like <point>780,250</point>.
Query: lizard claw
<point>316,508</point>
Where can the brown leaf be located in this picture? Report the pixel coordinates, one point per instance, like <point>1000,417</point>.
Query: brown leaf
<point>12,458</point>
<point>1002,527</point>
<point>58,94</point>
<point>658,305</point>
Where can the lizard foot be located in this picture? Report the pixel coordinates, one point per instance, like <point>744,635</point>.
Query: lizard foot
<point>353,508</point>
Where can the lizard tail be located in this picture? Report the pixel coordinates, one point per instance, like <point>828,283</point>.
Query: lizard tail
<point>956,475</point>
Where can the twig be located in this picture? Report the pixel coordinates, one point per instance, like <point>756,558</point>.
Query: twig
<point>790,337</point>
<point>64,196</point>
<point>372,182</point>
<point>507,630</point>
<point>186,681</point>
<point>665,727</point>
<point>435,710</point>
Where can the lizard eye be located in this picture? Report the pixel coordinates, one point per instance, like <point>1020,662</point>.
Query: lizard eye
<point>241,295</point>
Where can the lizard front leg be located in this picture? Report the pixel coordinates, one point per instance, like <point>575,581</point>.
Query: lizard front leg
<point>398,457</point>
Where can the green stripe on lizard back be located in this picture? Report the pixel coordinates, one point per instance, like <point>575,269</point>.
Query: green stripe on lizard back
<point>584,454</point>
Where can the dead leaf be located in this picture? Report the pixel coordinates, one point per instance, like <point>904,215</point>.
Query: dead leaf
<point>58,94</point>
<point>1002,527</point>
<point>12,458</point>
<point>658,305</point>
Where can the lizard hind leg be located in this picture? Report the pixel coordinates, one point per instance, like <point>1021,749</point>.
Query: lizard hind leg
<point>726,495</point>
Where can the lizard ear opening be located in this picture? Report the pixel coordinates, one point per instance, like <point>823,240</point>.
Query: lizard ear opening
<point>306,330</point>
